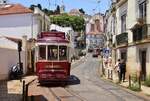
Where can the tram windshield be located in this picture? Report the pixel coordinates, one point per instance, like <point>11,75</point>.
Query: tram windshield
<point>54,52</point>
<point>42,52</point>
<point>62,53</point>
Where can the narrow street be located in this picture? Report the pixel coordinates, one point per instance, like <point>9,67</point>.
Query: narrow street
<point>85,84</point>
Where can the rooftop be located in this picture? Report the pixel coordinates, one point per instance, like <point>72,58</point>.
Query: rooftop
<point>14,9</point>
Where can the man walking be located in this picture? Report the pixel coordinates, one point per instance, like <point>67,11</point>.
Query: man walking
<point>122,67</point>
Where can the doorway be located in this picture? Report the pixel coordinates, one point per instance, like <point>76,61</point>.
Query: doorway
<point>143,64</point>
<point>124,55</point>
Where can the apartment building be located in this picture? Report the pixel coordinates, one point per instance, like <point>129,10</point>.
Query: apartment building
<point>95,30</point>
<point>131,37</point>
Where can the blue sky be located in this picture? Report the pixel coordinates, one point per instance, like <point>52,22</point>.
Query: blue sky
<point>87,5</point>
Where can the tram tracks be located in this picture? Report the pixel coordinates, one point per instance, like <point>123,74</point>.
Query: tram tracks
<point>62,94</point>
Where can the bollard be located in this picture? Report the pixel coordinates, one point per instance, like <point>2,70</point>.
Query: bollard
<point>111,74</point>
<point>139,82</point>
<point>23,91</point>
<point>26,93</point>
<point>129,81</point>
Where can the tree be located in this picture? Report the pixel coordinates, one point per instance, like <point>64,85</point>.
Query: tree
<point>57,11</point>
<point>39,6</point>
<point>82,11</point>
<point>32,7</point>
<point>45,10</point>
<point>64,20</point>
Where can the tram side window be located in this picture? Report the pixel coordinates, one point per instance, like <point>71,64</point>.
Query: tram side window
<point>52,52</point>
<point>42,52</point>
<point>62,52</point>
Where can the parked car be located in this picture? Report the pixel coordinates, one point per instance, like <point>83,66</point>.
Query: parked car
<point>95,53</point>
<point>90,49</point>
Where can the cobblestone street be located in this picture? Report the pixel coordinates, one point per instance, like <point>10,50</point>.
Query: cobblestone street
<point>84,85</point>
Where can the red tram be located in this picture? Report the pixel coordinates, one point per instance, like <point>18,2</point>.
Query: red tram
<point>52,57</point>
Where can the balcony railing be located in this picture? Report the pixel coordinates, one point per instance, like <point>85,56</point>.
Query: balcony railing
<point>141,20</point>
<point>122,38</point>
<point>140,33</point>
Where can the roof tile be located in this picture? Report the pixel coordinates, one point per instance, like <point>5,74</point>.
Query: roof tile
<point>14,9</point>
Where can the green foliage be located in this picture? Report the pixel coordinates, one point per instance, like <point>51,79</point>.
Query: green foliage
<point>57,11</point>
<point>32,7</point>
<point>147,81</point>
<point>45,10</point>
<point>76,22</point>
<point>39,6</point>
<point>82,11</point>
<point>135,86</point>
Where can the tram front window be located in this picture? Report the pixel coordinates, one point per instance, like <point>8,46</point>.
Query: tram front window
<point>42,52</point>
<point>62,52</point>
<point>52,52</point>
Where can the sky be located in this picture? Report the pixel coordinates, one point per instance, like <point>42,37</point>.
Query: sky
<point>89,6</point>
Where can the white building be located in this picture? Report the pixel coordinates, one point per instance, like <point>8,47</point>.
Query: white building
<point>139,36</point>
<point>132,35</point>
<point>9,56</point>
<point>19,22</point>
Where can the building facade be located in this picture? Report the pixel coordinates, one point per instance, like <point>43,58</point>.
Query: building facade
<point>19,22</point>
<point>94,30</point>
<point>131,34</point>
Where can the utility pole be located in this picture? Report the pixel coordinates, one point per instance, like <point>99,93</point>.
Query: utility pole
<point>19,53</point>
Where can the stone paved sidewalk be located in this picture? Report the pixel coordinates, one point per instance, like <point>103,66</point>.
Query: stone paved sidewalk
<point>145,91</point>
<point>12,90</point>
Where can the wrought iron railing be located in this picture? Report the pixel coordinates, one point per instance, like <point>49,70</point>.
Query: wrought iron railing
<point>122,38</point>
<point>140,33</point>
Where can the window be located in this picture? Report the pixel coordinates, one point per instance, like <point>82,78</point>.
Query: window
<point>92,27</point>
<point>62,52</point>
<point>52,52</point>
<point>98,27</point>
<point>142,9</point>
<point>42,52</point>
<point>123,23</point>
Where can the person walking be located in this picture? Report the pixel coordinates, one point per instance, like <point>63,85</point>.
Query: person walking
<point>122,67</point>
<point>117,67</point>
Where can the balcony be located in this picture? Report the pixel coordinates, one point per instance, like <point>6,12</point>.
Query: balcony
<point>141,20</point>
<point>140,33</point>
<point>122,38</point>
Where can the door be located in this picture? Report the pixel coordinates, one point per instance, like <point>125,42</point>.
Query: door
<point>124,55</point>
<point>143,64</point>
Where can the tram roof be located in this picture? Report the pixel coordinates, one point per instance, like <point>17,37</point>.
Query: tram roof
<point>52,37</point>
<point>52,40</point>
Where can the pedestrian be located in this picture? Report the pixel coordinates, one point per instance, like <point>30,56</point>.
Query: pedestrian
<point>117,68</point>
<point>122,70</point>
<point>109,62</point>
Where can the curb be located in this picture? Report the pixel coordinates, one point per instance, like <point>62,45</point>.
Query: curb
<point>137,94</point>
